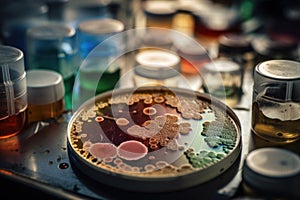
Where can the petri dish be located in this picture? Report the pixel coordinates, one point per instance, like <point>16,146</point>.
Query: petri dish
<point>153,139</point>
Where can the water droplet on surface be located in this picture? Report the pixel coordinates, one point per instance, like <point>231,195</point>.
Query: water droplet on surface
<point>63,166</point>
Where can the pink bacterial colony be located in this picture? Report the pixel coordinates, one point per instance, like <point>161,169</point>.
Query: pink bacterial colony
<point>128,150</point>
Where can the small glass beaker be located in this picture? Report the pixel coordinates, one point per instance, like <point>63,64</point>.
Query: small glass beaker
<point>100,43</point>
<point>13,92</point>
<point>223,79</point>
<point>193,56</point>
<point>156,67</point>
<point>159,14</point>
<point>276,101</point>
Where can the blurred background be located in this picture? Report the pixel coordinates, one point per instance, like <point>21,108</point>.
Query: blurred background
<point>204,20</point>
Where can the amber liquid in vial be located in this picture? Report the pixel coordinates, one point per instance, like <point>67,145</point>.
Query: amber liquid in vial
<point>12,125</point>
<point>274,130</point>
<point>45,111</point>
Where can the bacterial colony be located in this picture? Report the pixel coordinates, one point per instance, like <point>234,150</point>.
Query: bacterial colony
<point>156,133</point>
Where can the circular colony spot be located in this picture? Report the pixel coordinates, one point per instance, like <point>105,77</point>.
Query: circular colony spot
<point>149,111</point>
<point>147,123</point>
<point>103,150</point>
<point>149,168</point>
<point>83,135</point>
<point>151,157</point>
<point>185,128</point>
<point>132,150</point>
<point>148,101</point>
<point>87,144</point>
<point>122,121</point>
<point>99,119</point>
<point>159,99</point>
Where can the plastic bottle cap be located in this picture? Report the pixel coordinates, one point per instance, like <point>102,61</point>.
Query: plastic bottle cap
<point>274,162</point>
<point>280,76</point>
<point>159,7</point>
<point>280,69</point>
<point>44,87</point>
<point>273,170</point>
<point>51,32</point>
<point>101,26</point>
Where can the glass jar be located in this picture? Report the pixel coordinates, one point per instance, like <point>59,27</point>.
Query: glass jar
<point>54,47</point>
<point>222,78</point>
<point>156,68</point>
<point>159,14</point>
<point>100,43</point>
<point>276,101</point>
<point>13,93</point>
<point>45,89</point>
<point>237,47</point>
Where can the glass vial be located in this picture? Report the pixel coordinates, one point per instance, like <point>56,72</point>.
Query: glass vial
<point>159,14</point>
<point>45,95</point>
<point>223,79</point>
<point>100,43</point>
<point>54,47</point>
<point>193,57</point>
<point>13,93</point>
<point>237,47</point>
<point>276,101</point>
<point>156,68</point>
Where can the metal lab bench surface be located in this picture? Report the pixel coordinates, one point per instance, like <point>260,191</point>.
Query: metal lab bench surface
<point>37,160</point>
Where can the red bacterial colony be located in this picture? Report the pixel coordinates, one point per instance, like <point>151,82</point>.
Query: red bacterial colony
<point>132,150</point>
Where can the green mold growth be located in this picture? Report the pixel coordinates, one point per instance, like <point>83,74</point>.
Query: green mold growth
<point>203,158</point>
<point>220,133</point>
